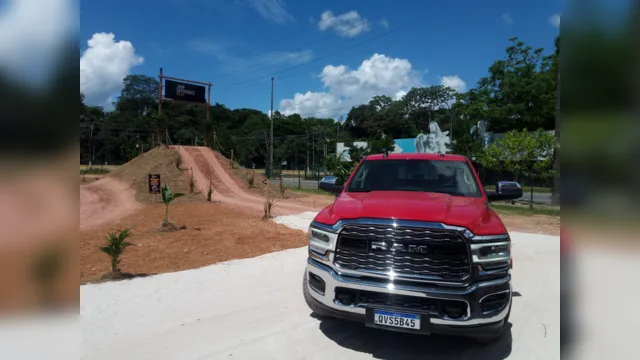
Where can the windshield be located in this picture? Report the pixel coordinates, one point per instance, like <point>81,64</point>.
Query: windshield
<point>449,177</point>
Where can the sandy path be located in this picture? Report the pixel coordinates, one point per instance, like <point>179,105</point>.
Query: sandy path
<point>202,160</point>
<point>105,201</point>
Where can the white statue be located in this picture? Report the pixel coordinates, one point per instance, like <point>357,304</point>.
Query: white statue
<point>434,142</point>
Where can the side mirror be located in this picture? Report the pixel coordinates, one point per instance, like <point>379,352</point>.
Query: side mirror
<point>331,184</point>
<point>505,190</point>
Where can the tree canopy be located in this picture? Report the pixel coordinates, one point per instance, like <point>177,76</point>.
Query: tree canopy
<point>519,92</point>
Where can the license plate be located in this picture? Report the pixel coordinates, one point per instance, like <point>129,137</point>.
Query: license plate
<point>394,319</point>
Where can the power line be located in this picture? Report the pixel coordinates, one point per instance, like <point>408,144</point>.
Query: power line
<point>326,56</point>
<point>305,72</point>
<point>291,52</point>
<point>287,36</point>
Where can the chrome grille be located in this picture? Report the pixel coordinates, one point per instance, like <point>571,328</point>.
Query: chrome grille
<point>446,256</point>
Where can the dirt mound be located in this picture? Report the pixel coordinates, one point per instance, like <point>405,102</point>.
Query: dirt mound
<point>105,201</point>
<point>160,160</point>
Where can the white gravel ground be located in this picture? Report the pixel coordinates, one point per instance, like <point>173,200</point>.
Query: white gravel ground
<point>254,309</point>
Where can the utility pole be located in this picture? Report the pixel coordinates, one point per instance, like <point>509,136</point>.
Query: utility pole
<point>338,134</point>
<point>138,144</point>
<point>91,152</point>
<point>313,152</point>
<point>306,172</point>
<point>271,142</point>
<point>159,104</point>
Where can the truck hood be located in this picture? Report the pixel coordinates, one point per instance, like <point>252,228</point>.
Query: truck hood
<point>471,213</point>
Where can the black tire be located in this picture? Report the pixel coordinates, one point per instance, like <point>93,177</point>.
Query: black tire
<point>311,302</point>
<point>495,338</point>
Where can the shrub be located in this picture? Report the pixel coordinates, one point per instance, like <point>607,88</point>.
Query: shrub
<point>268,208</point>
<point>116,244</point>
<point>192,182</point>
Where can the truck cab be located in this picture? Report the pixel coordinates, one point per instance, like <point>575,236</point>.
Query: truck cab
<point>411,244</point>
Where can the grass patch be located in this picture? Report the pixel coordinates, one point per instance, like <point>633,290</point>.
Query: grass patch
<point>525,210</point>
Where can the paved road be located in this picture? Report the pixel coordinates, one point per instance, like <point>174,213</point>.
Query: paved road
<point>538,198</point>
<point>227,311</point>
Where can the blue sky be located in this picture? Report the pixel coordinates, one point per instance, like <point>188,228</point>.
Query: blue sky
<point>322,65</point>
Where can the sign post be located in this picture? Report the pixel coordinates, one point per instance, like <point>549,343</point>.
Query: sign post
<point>183,90</point>
<point>154,185</point>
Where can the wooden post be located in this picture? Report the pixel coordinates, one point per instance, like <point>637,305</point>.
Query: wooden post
<point>208,100</point>
<point>159,103</point>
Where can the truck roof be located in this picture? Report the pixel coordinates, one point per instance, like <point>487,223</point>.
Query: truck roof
<point>416,156</point>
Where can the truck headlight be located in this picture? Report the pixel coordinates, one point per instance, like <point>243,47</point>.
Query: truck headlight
<point>491,252</point>
<point>321,241</point>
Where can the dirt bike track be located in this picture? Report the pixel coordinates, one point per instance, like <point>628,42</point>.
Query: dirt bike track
<point>204,161</point>
<point>108,199</point>
<point>104,201</point>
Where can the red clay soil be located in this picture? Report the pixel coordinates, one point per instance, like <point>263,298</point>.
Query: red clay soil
<point>104,201</point>
<point>230,190</point>
<point>215,232</point>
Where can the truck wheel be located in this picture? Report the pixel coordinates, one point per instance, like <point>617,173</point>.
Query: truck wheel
<point>311,302</point>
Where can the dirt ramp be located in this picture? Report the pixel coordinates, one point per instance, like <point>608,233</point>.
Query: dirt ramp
<point>228,185</point>
<point>160,160</point>
<point>105,201</point>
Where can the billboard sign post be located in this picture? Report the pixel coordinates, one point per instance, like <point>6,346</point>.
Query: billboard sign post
<point>183,90</point>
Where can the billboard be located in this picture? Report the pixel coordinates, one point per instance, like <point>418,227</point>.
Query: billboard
<point>183,91</point>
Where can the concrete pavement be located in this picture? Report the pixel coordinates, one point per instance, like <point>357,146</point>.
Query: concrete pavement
<point>254,309</point>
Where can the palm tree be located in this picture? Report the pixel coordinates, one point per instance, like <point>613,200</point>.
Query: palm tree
<point>116,244</point>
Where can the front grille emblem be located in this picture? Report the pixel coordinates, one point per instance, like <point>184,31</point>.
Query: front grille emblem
<point>396,247</point>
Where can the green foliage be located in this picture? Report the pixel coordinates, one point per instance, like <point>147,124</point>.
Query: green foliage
<point>168,197</point>
<point>521,152</point>
<point>519,92</point>
<point>116,244</point>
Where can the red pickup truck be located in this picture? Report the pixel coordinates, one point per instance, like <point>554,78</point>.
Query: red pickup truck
<point>411,244</point>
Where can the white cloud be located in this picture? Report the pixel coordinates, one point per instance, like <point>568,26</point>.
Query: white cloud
<point>272,10</point>
<point>454,82</point>
<point>554,20</point>
<point>31,35</point>
<point>103,66</point>
<point>400,94</point>
<point>507,18</point>
<point>384,23</point>
<point>349,24</point>
<point>378,75</point>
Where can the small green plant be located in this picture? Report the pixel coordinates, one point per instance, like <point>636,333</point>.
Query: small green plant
<point>167,197</point>
<point>251,181</point>
<point>210,188</point>
<point>192,182</point>
<point>116,244</point>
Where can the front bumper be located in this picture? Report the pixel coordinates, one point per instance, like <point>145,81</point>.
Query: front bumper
<point>476,320</point>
